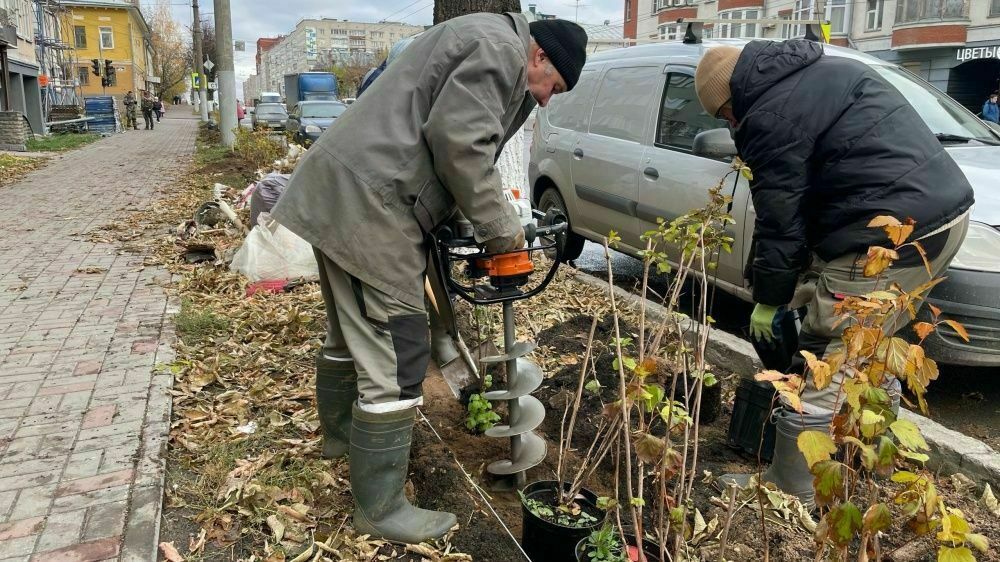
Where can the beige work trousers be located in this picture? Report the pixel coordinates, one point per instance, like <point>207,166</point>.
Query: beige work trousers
<point>386,338</point>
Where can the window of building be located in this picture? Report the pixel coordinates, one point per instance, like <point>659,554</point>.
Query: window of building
<point>107,38</point>
<point>836,13</point>
<point>622,105</point>
<point>731,30</point>
<point>83,75</point>
<point>681,115</point>
<point>670,32</point>
<point>803,11</point>
<point>786,28</point>
<point>80,36</point>
<point>994,8</point>
<point>628,10</point>
<point>873,14</point>
<point>908,11</point>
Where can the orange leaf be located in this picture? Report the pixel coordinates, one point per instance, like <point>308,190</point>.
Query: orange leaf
<point>923,329</point>
<point>899,234</point>
<point>923,254</point>
<point>958,328</point>
<point>883,220</point>
<point>879,259</point>
<point>766,376</point>
<point>934,310</point>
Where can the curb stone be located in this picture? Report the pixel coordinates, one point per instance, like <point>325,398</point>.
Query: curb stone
<point>142,526</point>
<point>952,450</point>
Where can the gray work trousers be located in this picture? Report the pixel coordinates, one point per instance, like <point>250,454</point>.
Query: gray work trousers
<point>386,338</point>
<point>821,334</point>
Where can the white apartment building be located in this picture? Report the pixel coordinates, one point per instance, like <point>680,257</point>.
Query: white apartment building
<point>318,43</point>
<point>954,44</point>
<point>251,89</point>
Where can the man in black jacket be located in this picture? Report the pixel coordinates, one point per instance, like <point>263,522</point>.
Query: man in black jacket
<point>831,146</point>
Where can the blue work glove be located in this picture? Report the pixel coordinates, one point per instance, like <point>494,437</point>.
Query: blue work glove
<point>762,322</point>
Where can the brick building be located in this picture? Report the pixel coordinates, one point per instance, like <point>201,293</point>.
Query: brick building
<point>954,44</point>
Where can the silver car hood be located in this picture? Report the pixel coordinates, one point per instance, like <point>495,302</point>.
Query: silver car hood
<point>981,165</point>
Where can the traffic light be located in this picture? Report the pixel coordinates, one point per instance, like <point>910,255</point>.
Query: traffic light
<point>109,71</point>
<point>95,66</point>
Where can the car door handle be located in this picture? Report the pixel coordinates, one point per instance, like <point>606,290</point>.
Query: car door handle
<point>651,173</point>
<point>577,153</point>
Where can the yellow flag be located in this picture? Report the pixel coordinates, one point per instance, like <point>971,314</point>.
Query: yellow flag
<point>825,27</point>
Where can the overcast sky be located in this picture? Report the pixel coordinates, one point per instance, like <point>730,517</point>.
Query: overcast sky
<point>266,18</point>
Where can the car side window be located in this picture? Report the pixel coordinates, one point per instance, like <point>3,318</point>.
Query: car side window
<point>622,104</point>
<point>681,115</point>
<point>572,109</point>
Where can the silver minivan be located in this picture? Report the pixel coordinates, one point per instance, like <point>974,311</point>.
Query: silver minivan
<point>631,143</point>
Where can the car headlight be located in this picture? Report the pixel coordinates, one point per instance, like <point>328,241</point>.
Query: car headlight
<point>313,129</point>
<point>981,249</point>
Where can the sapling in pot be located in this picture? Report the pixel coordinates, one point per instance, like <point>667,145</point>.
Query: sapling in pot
<point>558,513</point>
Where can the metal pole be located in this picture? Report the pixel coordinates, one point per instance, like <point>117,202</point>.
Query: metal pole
<point>226,75</point>
<point>198,62</point>
<point>100,64</point>
<point>514,407</point>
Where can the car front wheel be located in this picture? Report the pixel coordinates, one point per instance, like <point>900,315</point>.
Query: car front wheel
<point>551,199</point>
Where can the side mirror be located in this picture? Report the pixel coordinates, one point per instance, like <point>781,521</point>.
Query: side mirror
<point>714,143</point>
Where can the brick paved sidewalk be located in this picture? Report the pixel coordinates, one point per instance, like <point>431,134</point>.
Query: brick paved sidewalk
<point>83,418</point>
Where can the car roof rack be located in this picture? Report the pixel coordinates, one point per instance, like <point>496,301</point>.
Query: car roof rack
<point>696,27</point>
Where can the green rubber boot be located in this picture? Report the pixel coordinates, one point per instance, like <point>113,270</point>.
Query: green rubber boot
<point>336,391</point>
<point>380,458</point>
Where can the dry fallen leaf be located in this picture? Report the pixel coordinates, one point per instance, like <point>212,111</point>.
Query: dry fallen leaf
<point>170,552</point>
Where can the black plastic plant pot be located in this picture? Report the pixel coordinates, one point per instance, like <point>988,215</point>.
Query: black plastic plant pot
<point>649,548</point>
<point>547,541</point>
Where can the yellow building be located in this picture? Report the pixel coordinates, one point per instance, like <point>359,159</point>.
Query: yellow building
<point>109,30</point>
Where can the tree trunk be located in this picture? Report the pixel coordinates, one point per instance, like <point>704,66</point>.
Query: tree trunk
<point>511,162</point>
<point>446,9</point>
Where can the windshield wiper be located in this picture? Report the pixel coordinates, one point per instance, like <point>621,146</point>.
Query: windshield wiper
<point>948,137</point>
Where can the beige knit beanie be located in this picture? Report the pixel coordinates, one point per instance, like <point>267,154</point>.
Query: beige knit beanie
<point>711,79</point>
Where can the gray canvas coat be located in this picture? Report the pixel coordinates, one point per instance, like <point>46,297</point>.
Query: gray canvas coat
<point>423,138</point>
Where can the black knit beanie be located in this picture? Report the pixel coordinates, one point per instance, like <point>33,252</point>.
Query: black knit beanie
<point>565,43</point>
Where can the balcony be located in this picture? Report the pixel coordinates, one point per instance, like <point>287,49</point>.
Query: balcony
<point>915,12</point>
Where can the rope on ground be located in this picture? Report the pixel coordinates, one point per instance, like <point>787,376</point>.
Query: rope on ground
<point>475,486</point>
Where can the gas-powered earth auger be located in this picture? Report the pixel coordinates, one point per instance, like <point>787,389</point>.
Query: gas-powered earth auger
<point>501,279</point>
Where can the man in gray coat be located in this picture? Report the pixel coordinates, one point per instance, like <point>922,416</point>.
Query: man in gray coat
<point>422,141</point>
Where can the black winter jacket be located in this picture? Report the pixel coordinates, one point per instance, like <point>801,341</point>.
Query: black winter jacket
<point>831,145</point>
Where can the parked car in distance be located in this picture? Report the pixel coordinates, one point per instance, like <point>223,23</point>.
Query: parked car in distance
<point>270,115</point>
<point>631,143</point>
<point>309,119</point>
<point>349,101</point>
<point>269,97</point>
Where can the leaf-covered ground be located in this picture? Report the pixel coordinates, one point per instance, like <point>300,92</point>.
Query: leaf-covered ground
<point>13,168</point>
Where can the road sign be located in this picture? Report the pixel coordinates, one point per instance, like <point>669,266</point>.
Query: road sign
<point>213,85</point>
<point>209,65</point>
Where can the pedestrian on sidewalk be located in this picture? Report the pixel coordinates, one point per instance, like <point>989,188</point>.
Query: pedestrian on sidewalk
<point>991,112</point>
<point>131,117</point>
<point>147,109</point>
<point>157,108</point>
<point>450,101</point>
<point>831,146</point>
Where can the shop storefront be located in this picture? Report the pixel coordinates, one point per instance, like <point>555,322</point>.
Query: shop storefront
<point>968,73</point>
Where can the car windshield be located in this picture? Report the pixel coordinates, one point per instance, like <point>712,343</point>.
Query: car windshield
<point>322,110</point>
<point>942,114</point>
<point>273,111</point>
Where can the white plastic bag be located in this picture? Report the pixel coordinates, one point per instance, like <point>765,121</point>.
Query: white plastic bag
<point>271,252</point>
